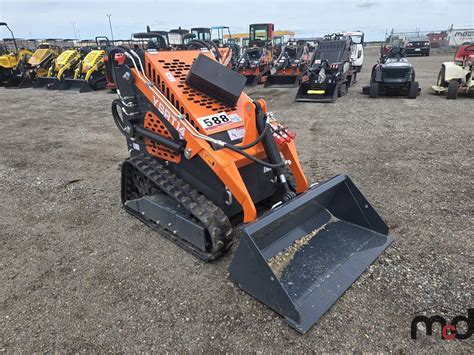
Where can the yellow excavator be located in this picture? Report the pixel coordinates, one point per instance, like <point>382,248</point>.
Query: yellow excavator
<point>36,66</point>
<point>12,57</point>
<point>64,65</point>
<point>90,72</point>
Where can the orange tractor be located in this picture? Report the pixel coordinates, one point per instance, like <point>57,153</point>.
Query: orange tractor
<point>209,167</point>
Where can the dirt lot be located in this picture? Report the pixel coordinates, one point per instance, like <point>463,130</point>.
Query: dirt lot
<point>78,273</point>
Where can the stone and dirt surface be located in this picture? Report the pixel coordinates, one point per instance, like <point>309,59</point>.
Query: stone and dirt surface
<point>77,273</point>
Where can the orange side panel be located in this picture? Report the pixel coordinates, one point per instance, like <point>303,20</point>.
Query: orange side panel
<point>168,70</point>
<point>154,124</point>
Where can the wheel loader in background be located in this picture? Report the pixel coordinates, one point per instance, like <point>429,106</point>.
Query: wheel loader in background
<point>329,71</point>
<point>255,61</point>
<point>289,66</point>
<point>208,164</point>
<point>89,73</point>
<point>37,65</point>
<point>63,66</point>
<point>13,58</point>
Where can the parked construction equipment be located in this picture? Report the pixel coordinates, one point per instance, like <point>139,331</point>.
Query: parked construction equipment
<point>457,76</point>
<point>202,33</point>
<point>393,75</point>
<point>204,157</point>
<point>257,58</point>
<point>328,73</point>
<point>289,66</point>
<point>203,37</point>
<point>64,65</point>
<point>13,58</point>
<point>89,73</point>
<point>38,65</point>
<point>222,37</point>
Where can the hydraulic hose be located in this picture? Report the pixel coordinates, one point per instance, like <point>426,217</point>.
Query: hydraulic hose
<point>258,140</point>
<point>198,42</point>
<point>251,157</point>
<point>238,149</point>
<point>121,124</point>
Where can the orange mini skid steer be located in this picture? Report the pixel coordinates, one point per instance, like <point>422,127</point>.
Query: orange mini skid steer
<point>205,159</point>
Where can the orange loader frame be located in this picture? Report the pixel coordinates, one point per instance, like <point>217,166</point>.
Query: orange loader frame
<point>172,101</point>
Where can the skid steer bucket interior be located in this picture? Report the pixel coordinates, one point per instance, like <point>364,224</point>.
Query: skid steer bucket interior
<point>301,257</point>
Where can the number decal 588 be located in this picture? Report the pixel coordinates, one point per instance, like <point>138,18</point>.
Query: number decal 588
<point>218,120</point>
<point>215,120</point>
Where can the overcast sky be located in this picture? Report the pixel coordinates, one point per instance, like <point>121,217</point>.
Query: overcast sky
<point>52,18</point>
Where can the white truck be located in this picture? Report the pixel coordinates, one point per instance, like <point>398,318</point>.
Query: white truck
<point>357,49</point>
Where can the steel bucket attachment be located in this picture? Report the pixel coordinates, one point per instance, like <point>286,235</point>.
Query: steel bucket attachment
<point>320,93</point>
<point>326,94</point>
<point>18,81</point>
<point>78,85</point>
<point>282,81</point>
<point>300,258</point>
<point>45,82</point>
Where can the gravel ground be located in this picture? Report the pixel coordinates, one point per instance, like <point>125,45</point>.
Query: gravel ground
<point>79,274</point>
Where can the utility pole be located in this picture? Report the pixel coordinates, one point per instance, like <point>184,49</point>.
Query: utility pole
<point>74,28</point>
<point>110,24</point>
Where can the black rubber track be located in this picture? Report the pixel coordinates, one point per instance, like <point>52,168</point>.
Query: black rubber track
<point>142,175</point>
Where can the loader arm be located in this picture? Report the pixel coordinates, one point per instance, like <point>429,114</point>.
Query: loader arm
<point>63,70</point>
<point>95,68</point>
<point>77,71</point>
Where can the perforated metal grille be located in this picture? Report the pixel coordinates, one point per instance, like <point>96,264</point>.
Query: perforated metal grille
<point>154,124</point>
<point>188,96</point>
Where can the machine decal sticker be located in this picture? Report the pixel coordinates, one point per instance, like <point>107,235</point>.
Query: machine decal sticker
<point>236,133</point>
<point>170,77</point>
<point>218,120</point>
